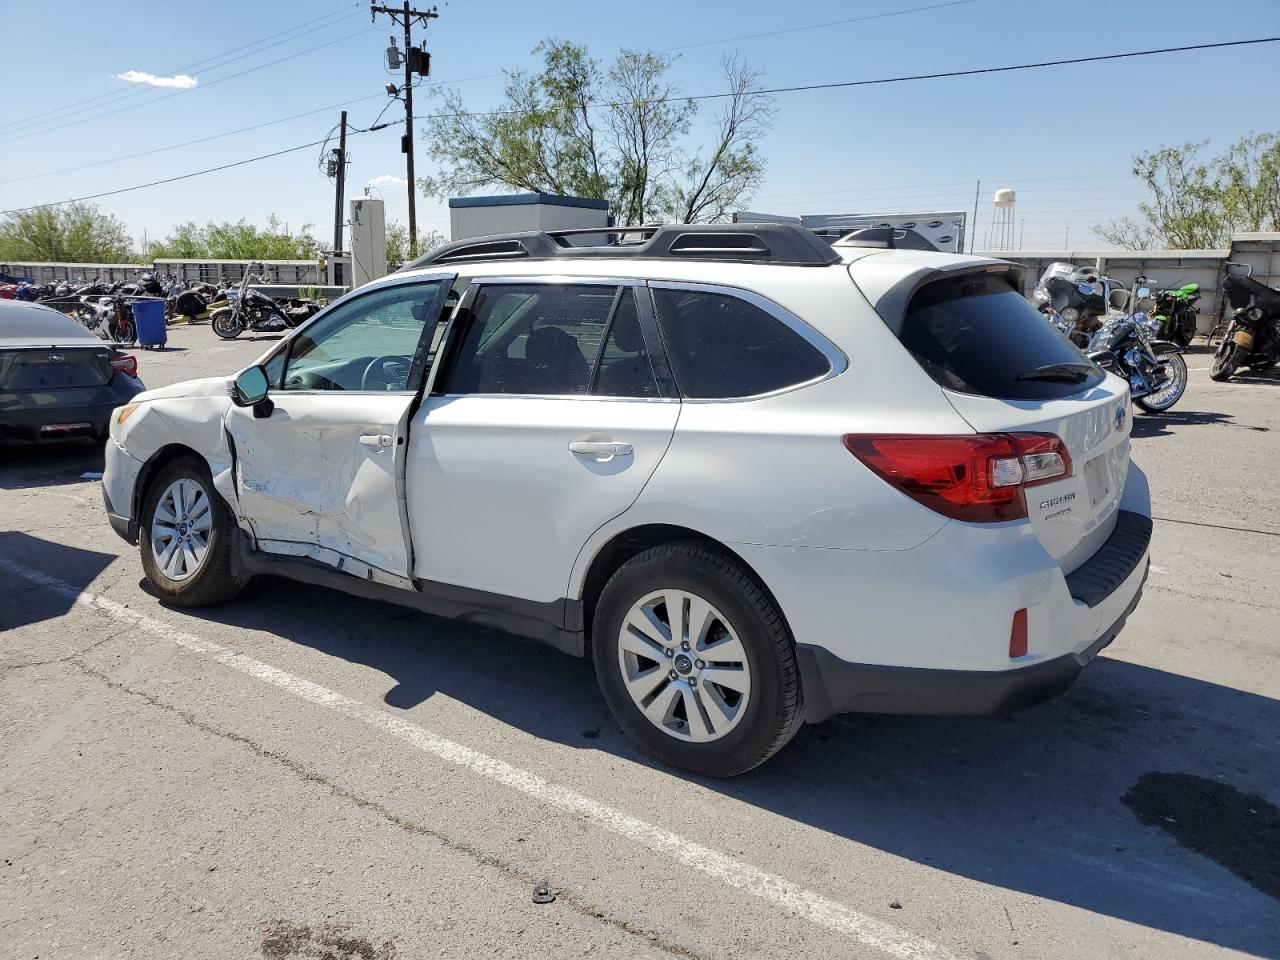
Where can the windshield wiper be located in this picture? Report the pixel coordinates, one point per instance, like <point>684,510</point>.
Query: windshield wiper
<point>1064,372</point>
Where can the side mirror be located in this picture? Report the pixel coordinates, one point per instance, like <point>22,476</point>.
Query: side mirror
<point>250,387</point>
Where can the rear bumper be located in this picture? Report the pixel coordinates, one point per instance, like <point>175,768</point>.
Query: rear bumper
<point>832,685</point>
<point>25,416</point>
<point>926,630</point>
<point>37,425</point>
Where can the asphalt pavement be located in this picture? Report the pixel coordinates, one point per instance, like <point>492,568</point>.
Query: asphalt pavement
<point>304,774</point>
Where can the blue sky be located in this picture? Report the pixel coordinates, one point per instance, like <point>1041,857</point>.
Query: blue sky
<point>1062,137</point>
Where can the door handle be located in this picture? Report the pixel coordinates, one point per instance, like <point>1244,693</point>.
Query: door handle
<point>375,440</point>
<point>601,449</point>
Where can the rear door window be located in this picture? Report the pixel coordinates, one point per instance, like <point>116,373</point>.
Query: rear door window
<point>976,334</point>
<point>721,346</point>
<point>537,339</point>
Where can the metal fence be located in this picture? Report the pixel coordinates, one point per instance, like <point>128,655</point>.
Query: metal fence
<point>1166,268</point>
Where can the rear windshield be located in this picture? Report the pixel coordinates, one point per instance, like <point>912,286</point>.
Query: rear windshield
<point>976,334</point>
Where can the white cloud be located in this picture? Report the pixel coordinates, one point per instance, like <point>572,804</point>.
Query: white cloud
<point>388,180</point>
<point>179,80</point>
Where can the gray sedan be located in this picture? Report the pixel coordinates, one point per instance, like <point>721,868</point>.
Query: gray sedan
<point>57,380</point>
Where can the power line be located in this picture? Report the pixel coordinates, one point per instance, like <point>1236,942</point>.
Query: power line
<point>203,86</point>
<point>715,96</point>
<point>803,88</point>
<point>818,26</point>
<point>225,133</point>
<point>174,179</point>
<point>116,94</point>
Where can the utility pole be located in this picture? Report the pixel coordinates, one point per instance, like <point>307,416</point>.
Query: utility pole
<point>341,183</point>
<point>415,61</point>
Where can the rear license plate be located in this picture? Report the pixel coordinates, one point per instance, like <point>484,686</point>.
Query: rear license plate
<point>1097,478</point>
<point>65,427</point>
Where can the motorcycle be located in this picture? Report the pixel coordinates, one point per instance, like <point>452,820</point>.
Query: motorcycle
<point>1071,298</point>
<point>110,318</point>
<point>1252,338</point>
<point>1124,341</point>
<point>248,309</point>
<point>1175,311</point>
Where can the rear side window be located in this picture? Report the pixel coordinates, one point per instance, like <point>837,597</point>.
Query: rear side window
<point>721,346</point>
<point>976,334</point>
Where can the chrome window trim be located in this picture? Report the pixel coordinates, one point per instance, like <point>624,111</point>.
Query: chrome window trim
<point>562,278</point>
<point>554,396</point>
<point>836,358</point>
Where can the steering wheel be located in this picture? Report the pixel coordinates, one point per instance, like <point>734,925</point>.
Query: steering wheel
<point>386,373</point>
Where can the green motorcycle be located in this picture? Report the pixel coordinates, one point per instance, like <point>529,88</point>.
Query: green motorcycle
<point>1175,311</point>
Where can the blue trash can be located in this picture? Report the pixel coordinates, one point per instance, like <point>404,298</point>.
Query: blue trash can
<point>148,317</point>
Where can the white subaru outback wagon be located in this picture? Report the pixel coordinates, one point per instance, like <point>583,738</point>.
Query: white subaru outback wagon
<point>758,477</point>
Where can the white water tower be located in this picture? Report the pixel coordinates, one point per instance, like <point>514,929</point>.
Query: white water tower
<point>1002,220</point>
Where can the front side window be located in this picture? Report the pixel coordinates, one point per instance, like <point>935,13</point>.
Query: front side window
<point>533,339</point>
<point>365,344</point>
<point>722,346</point>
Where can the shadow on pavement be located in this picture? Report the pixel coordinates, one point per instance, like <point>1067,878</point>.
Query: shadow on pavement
<point>1031,802</point>
<point>22,602</point>
<point>1158,424</point>
<point>49,464</point>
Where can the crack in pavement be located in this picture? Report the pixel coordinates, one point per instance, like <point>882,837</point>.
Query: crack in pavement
<point>114,635</point>
<point>1218,526</point>
<point>573,900</point>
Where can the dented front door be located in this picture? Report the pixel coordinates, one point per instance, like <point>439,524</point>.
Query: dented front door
<point>321,476</point>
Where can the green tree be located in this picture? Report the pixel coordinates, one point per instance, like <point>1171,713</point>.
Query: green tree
<point>1199,204</point>
<point>622,134</point>
<point>237,240</point>
<point>398,243</point>
<point>72,233</point>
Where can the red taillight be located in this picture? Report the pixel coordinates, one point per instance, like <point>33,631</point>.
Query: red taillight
<point>1018,635</point>
<point>126,363</point>
<point>977,477</point>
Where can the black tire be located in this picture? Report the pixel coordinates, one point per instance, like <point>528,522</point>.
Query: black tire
<point>1227,360</point>
<point>775,710</point>
<point>213,582</point>
<point>128,335</point>
<point>1186,331</point>
<point>224,324</point>
<point>1179,372</point>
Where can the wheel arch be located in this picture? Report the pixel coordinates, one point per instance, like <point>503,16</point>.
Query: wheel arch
<point>625,544</point>
<point>153,465</point>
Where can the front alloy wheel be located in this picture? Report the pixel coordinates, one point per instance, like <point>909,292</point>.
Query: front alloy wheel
<point>180,529</point>
<point>185,536</point>
<point>684,666</point>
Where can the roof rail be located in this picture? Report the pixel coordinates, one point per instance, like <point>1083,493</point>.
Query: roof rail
<point>775,243</point>
<point>886,238</point>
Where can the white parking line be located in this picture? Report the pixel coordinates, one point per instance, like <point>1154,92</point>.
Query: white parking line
<point>782,893</point>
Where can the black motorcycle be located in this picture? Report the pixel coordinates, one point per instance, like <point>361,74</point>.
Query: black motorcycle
<point>1253,334</point>
<point>252,310</point>
<point>1124,342</point>
<point>1073,299</point>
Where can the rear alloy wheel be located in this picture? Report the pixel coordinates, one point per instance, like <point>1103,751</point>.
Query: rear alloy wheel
<point>185,537</point>
<point>695,660</point>
<point>684,666</point>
